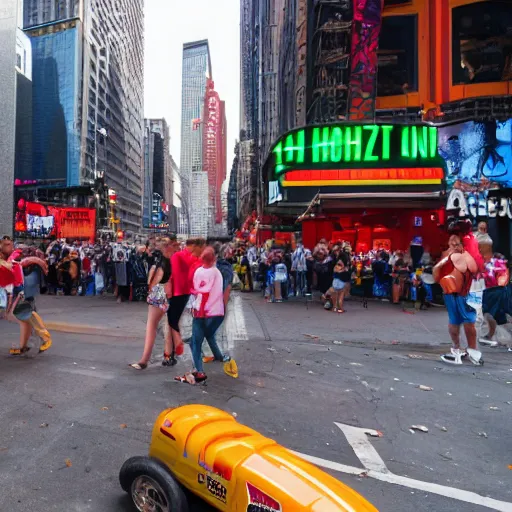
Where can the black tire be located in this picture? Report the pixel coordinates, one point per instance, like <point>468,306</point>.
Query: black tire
<point>146,466</point>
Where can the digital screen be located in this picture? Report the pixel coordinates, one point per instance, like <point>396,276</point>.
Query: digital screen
<point>40,226</point>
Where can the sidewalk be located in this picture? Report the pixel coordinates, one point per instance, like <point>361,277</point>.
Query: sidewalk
<point>254,319</point>
<point>93,315</point>
<point>383,322</point>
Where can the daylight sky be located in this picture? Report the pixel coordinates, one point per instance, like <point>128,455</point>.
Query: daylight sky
<point>169,24</point>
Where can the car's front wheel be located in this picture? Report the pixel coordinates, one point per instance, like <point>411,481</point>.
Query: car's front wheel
<point>151,486</point>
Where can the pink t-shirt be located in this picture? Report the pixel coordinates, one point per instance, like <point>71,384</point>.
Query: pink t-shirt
<point>208,290</point>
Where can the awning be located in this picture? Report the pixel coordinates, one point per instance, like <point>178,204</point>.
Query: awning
<point>338,202</point>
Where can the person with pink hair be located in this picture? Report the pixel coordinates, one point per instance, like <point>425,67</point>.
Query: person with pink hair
<point>208,311</point>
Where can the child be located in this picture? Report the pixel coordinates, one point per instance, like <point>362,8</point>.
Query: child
<point>338,285</point>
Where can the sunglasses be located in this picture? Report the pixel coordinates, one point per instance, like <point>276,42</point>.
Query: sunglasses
<point>7,238</point>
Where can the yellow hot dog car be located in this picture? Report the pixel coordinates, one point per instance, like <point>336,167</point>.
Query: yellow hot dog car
<point>231,467</point>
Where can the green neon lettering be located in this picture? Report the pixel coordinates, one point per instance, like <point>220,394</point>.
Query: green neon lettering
<point>356,142</point>
<point>423,141</point>
<point>414,142</point>
<point>336,144</point>
<point>405,142</point>
<point>386,141</point>
<point>289,148</point>
<point>432,133</point>
<point>326,143</point>
<point>368,154</point>
<point>315,146</point>
<point>294,151</point>
<point>278,151</point>
<point>300,146</point>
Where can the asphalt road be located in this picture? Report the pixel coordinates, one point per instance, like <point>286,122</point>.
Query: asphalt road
<point>292,388</point>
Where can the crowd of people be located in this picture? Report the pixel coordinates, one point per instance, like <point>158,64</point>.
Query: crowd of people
<point>336,271</point>
<point>172,276</point>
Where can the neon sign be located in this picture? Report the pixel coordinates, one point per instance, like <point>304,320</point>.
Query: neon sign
<point>354,155</point>
<point>356,146</point>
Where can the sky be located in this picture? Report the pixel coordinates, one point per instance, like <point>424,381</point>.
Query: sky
<point>169,24</point>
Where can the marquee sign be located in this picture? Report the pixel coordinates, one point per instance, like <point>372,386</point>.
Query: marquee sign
<point>356,155</point>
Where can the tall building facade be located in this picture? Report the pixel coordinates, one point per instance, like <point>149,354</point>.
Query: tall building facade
<point>158,172</point>
<point>214,155</point>
<point>8,27</point>
<point>345,61</point>
<point>88,97</point>
<point>194,180</point>
<point>23,153</point>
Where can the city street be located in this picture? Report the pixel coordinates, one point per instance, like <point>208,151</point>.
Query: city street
<point>71,416</point>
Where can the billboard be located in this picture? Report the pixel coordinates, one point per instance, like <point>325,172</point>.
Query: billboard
<point>37,220</point>
<point>478,155</point>
<point>355,156</point>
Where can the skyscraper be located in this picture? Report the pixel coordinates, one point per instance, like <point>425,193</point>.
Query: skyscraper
<point>194,184</point>
<point>214,155</point>
<point>8,25</point>
<point>158,172</point>
<point>23,155</point>
<point>88,96</point>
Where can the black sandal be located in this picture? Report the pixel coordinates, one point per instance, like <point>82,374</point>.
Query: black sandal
<point>138,366</point>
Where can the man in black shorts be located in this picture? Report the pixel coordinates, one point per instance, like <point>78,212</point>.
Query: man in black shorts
<point>184,263</point>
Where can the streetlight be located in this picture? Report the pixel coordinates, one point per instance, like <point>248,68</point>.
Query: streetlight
<point>103,132</point>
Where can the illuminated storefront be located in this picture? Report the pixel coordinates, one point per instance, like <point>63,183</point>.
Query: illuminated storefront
<point>374,185</point>
<point>39,221</point>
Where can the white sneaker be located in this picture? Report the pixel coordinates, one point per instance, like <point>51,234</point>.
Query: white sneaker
<point>475,356</point>
<point>488,343</point>
<point>454,357</point>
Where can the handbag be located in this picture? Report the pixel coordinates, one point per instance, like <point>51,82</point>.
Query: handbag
<point>3,298</point>
<point>23,310</point>
<point>476,293</point>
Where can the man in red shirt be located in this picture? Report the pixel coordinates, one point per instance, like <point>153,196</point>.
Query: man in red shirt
<point>183,263</point>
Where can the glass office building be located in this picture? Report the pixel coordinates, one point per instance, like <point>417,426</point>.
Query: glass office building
<point>88,116</point>
<point>196,71</point>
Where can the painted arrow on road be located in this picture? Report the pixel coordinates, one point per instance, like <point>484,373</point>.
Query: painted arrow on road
<point>375,467</point>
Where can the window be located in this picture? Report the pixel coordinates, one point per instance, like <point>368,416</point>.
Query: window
<point>398,55</point>
<point>482,42</point>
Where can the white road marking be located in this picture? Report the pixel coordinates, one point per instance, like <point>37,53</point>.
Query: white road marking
<point>366,453</point>
<point>88,373</point>
<point>374,467</point>
<point>236,329</point>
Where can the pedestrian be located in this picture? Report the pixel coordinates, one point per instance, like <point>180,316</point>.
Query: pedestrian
<point>158,305</point>
<point>223,254</point>
<point>184,264</point>
<point>455,275</point>
<point>122,273</point>
<point>338,284</point>
<point>67,272</point>
<point>381,272</point>
<point>13,298</point>
<point>208,313</point>
<point>139,274</point>
<point>53,256</point>
<point>299,270</point>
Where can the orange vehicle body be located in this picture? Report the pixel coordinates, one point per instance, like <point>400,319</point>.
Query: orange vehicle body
<point>236,469</point>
